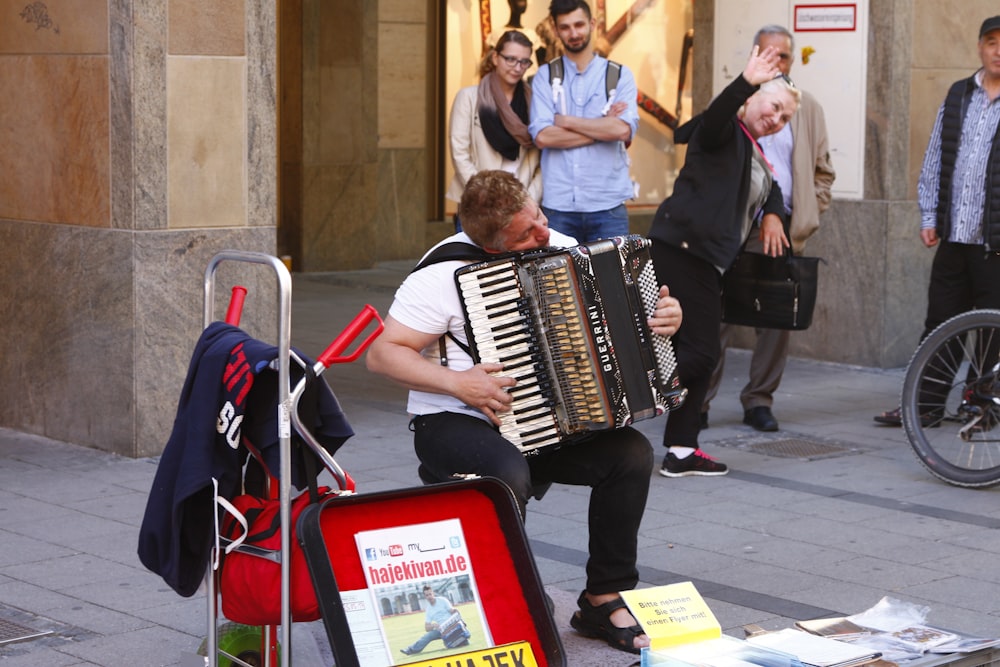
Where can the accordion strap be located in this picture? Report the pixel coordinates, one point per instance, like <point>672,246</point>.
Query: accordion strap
<point>443,348</point>
<point>449,252</point>
<point>452,251</point>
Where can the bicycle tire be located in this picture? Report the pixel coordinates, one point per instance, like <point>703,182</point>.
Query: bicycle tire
<point>951,400</point>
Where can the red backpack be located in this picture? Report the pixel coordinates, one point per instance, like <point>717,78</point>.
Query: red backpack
<point>250,583</point>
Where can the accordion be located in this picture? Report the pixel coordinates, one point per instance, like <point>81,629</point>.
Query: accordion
<point>570,326</point>
<point>454,631</point>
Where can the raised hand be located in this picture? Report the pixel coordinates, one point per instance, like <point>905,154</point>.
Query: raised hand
<point>762,66</point>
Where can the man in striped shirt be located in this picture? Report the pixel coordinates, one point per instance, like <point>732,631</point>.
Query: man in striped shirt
<point>959,195</point>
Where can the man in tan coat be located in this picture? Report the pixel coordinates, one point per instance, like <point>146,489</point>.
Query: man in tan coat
<point>800,154</point>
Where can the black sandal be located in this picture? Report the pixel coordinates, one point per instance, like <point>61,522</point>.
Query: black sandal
<point>595,622</point>
<point>928,419</point>
<point>889,418</point>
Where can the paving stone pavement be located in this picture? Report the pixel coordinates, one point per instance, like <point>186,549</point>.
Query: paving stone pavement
<point>777,540</point>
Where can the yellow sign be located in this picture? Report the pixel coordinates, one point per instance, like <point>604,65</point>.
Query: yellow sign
<point>673,614</point>
<point>518,654</point>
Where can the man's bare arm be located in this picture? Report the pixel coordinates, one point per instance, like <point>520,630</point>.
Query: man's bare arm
<point>397,354</point>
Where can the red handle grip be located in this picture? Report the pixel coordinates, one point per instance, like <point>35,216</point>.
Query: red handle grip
<point>235,310</point>
<point>349,484</point>
<point>332,354</point>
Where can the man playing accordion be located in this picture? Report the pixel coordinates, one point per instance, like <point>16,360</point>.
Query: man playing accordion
<point>455,403</point>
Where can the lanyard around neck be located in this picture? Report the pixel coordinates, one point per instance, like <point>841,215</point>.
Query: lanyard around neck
<point>756,145</point>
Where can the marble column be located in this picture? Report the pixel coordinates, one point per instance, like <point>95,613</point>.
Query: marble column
<point>143,142</point>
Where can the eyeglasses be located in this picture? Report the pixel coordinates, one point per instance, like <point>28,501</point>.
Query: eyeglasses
<point>523,63</point>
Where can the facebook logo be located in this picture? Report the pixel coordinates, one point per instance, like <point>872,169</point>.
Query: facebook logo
<point>371,554</point>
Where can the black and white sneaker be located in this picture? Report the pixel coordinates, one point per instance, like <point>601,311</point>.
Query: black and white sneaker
<point>697,463</point>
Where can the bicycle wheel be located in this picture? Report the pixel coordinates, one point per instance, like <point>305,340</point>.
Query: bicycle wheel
<point>951,400</point>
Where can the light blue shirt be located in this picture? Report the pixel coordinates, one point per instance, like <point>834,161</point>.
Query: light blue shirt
<point>439,611</point>
<point>589,178</point>
<point>968,182</point>
<point>777,148</point>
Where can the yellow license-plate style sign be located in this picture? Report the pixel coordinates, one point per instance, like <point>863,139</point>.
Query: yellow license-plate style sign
<point>517,654</point>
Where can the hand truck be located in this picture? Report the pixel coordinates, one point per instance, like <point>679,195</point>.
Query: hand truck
<point>288,418</point>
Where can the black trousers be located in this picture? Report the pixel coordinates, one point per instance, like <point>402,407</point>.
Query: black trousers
<point>615,464</point>
<point>698,286</point>
<point>963,277</point>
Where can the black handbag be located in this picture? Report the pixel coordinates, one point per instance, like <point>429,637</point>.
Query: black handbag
<point>770,292</point>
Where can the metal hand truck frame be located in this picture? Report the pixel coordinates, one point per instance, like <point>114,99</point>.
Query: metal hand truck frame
<point>288,419</point>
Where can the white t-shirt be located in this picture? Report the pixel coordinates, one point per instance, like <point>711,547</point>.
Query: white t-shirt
<point>428,302</point>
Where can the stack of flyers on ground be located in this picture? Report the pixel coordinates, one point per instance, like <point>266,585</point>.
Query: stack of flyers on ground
<point>423,593</point>
<point>922,637</point>
<point>839,628</point>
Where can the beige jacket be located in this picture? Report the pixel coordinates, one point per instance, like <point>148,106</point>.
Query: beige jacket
<point>470,152</point>
<point>812,172</point>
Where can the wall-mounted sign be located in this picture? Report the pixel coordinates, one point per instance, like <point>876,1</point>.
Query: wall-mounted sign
<point>826,18</point>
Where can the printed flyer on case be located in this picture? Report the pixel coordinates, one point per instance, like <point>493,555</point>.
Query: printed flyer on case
<point>423,591</point>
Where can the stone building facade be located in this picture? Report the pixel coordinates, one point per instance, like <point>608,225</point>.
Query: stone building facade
<point>146,135</point>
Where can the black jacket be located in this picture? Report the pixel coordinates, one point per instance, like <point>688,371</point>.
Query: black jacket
<point>955,105</point>
<point>706,211</point>
<point>230,394</point>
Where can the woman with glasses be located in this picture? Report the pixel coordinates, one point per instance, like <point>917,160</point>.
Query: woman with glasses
<point>488,128</point>
<point>725,192</point>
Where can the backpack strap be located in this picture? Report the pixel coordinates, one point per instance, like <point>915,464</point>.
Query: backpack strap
<point>557,74</point>
<point>556,69</point>
<point>611,76</point>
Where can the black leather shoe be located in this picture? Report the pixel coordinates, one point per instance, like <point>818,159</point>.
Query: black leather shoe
<point>760,418</point>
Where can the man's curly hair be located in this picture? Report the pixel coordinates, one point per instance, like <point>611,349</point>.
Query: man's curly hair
<point>489,202</point>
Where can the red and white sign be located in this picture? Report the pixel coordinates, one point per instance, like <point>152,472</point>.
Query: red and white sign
<point>826,18</point>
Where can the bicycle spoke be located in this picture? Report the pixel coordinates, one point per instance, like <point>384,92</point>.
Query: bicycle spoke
<point>949,412</point>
